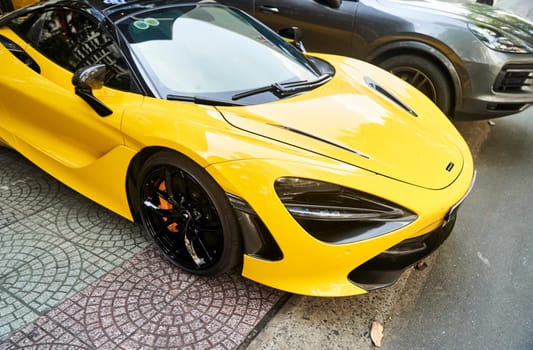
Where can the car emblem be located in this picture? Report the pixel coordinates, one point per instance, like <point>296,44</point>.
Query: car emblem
<point>450,166</point>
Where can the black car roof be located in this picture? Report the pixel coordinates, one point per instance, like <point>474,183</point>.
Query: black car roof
<point>112,9</point>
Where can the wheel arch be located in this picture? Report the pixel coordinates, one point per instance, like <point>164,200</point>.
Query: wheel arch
<point>140,158</point>
<point>132,178</point>
<point>220,254</point>
<point>427,51</point>
<point>258,241</point>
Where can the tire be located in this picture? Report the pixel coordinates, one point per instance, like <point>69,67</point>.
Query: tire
<point>188,215</point>
<point>425,76</point>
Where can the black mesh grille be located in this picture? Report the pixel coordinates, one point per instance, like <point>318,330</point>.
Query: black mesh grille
<point>515,79</point>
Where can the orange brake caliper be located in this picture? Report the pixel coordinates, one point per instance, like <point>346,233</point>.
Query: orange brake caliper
<point>165,205</point>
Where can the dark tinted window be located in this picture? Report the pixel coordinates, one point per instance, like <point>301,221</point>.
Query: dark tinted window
<point>73,41</point>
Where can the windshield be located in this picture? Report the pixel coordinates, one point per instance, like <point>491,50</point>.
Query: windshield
<point>210,50</point>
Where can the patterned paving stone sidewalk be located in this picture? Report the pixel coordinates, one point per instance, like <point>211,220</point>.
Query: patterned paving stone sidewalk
<point>74,275</point>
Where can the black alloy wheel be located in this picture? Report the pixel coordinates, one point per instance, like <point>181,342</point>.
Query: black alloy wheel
<point>424,75</point>
<point>188,215</point>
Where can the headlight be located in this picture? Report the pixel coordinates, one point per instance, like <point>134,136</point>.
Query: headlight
<point>499,41</point>
<point>336,214</point>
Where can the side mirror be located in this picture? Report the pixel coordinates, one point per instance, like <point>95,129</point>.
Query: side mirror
<point>335,4</point>
<point>87,79</point>
<point>294,36</point>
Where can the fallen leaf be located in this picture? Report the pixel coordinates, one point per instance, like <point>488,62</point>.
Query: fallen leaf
<point>376,333</point>
<point>421,265</point>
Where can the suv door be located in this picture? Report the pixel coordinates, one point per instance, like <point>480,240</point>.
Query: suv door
<point>325,29</point>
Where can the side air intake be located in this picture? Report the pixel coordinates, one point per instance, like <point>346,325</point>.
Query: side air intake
<point>374,85</point>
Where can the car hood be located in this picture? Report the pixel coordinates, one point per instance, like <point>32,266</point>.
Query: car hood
<point>476,13</point>
<point>352,119</point>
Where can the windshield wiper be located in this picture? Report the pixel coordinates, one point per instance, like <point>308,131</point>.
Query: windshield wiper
<point>201,100</point>
<point>285,89</point>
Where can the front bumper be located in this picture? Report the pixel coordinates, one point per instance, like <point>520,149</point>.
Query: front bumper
<point>279,253</point>
<point>385,269</point>
<point>496,89</point>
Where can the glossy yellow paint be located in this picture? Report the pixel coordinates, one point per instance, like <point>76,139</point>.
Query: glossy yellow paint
<point>312,267</point>
<point>22,3</point>
<point>358,121</point>
<point>315,268</point>
<point>60,133</point>
<point>42,118</point>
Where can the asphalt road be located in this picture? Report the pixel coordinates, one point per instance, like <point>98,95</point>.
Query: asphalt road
<point>479,294</point>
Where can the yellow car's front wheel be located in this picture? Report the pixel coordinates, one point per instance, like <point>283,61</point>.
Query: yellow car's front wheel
<point>188,215</point>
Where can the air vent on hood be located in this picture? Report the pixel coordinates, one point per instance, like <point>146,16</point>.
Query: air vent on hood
<point>360,154</point>
<point>374,85</point>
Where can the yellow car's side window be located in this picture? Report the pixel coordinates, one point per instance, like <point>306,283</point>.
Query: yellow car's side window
<point>73,41</point>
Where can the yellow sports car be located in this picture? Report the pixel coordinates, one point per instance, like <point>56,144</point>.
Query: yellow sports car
<point>315,174</point>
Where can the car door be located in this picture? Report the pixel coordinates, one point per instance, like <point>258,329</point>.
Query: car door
<point>325,28</point>
<point>39,106</point>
